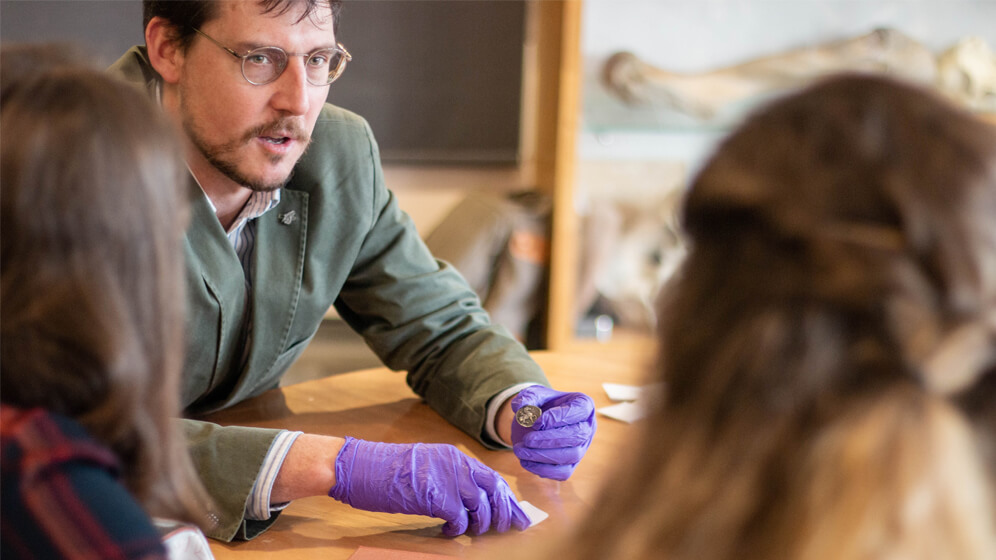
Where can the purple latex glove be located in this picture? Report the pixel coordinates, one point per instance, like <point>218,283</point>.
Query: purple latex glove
<point>426,479</point>
<point>554,445</point>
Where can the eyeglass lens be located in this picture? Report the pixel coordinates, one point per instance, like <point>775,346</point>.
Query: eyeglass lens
<point>263,65</point>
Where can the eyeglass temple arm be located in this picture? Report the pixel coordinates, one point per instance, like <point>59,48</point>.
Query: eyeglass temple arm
<point>349,57</point>
<point>228,50</point>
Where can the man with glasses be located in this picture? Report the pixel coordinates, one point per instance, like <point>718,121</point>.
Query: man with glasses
<point>290,216</point>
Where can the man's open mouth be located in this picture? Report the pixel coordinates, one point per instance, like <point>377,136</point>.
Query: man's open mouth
<point>275,139</point>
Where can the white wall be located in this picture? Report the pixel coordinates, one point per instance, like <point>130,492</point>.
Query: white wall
<point>696,35</point>
<point>701,35</point>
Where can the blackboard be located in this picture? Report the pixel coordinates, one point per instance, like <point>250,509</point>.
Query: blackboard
<point>439,80</point>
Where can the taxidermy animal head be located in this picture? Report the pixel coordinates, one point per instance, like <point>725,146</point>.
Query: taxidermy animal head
<point>643,249</point>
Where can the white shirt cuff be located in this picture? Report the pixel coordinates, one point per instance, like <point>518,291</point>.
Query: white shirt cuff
<point>494,405</point>
<point>259,508</point>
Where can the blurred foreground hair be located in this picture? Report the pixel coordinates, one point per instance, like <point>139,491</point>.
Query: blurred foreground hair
<point>92,216</point>
<point>842,244</point>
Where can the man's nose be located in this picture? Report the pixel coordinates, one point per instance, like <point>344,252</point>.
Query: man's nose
<point>293,89</point>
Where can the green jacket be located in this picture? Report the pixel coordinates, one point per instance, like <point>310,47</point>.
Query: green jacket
<point>346,244</point>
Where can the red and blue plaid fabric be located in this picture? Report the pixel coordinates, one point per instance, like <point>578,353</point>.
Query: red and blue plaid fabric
<point>61,496</point>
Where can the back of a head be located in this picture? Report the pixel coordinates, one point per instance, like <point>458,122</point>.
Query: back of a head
<point>839,240</point>
<point>20,61</point>
<point>836,239</point>
<point>894,474</point>
<point>92,212</point>
<point>837,236</point>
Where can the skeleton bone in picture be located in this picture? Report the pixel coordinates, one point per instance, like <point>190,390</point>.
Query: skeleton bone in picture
<point>966,72</point>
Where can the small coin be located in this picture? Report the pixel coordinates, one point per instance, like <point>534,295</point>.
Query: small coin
<point>528,415</point>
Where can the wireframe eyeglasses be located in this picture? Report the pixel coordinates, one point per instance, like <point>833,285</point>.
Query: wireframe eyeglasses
<point>265,64</point>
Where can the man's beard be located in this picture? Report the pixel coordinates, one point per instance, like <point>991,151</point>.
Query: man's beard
<point>220,155</point>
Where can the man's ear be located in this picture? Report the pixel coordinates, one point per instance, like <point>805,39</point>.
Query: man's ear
<point>164,52</point>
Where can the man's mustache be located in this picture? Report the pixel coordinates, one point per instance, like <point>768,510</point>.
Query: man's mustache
<point>290,128</point>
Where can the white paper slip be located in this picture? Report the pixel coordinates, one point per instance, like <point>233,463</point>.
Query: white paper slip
<point>183,541</point>
<point>535,514</point>
<point>620,392</point>
<point>625,411</point>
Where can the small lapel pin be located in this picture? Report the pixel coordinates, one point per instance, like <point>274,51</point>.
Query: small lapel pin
<point>288,218</point>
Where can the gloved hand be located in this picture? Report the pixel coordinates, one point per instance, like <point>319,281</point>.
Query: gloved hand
<point>426,479</point>
<point>554,445</point>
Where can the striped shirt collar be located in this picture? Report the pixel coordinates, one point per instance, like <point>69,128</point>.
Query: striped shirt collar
<point>259,203</point>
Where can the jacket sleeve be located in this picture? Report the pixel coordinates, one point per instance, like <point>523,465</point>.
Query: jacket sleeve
<point>228,460</point>
<point>419,315</point>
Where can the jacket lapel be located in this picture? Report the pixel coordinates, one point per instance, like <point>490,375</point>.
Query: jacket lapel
<point>217,257</point>
<point>279,262</point>
<point>211,259</point>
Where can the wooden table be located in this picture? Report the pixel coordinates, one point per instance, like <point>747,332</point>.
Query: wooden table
<point>377,405</point>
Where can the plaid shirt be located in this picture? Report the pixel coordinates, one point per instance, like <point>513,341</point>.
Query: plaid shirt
<point>61,495</point>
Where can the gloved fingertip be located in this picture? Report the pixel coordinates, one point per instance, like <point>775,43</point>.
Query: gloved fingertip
<point>534,395</point>
<point>559,472</point>
<point>501,512</point>
<point>517,400</point>
<point>518,449</point>
<point>451,529</point>
<point>546,470</point>
<point>480,522</point>
<point>520,520</point>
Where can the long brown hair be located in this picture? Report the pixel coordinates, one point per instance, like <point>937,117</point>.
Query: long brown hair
<point>837,239</point>
<point>92,212</point>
